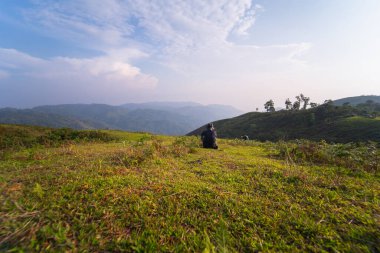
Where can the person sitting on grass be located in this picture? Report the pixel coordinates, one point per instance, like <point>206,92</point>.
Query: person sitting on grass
<point>208,137</point>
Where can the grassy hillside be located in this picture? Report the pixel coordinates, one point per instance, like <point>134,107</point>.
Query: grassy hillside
<point>326,122</point>
<point>357,100</point>
<point>15,137</point>
<point>146,193</point>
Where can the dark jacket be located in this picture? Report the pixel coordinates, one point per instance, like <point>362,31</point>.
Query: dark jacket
<point>209,138</point>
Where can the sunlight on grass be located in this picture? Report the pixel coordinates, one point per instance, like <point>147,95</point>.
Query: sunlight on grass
<point>140,192</point>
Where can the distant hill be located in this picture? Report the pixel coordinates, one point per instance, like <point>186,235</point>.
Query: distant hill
<point>160,117</point>
<point>101,115</point>
<point>326,122</point>
<point>357,100</point>
<point>198,113</point>
<point>160,105</point>
<point>35,118</point>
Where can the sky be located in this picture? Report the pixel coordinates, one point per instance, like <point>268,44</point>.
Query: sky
<point>234,52</point>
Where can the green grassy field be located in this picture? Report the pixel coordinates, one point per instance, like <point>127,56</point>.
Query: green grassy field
<point>144,193</point>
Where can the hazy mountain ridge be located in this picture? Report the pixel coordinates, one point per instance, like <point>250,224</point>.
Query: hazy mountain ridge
<point>171,118</point>
<point>160,105</point>
<point>31,117</point>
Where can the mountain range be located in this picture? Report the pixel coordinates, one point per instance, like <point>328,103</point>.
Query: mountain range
<point>170,118</point>
<point>342,120</point>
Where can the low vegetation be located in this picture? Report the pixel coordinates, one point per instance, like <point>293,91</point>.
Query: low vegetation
<point>14,137</point>
<point>117,191</point>
<point>342,124</point>
<point>356,156</point>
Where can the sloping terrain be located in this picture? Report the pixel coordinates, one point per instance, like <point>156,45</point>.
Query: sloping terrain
<point>144,193</point>
<point>325,122</point>
<point>357,100</point>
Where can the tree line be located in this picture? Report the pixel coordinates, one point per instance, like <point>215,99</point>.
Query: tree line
<point>301,103</point>
<point>368,109</point>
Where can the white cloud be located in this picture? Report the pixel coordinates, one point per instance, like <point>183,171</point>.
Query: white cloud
<point>95,22</point>
<point>172,26</point>
<point>243,76</point>
<point>247,20</point>
<point>195,49</point>
<point>13,59</point>
<point>193,38</point>
<point>177,34</point>
<point>241,61</point>
<point>112,67</point>
<point>105,78</point>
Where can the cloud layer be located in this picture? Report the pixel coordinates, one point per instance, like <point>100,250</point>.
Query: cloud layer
<point>168,26</point>
<point>98,79</point>
<point>139,45</point>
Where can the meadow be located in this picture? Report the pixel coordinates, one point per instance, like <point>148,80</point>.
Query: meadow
<point>112,191</point>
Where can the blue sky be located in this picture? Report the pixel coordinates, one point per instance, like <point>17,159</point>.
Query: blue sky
<point>237,52</point>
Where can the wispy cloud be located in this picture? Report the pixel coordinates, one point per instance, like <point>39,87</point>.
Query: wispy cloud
<point>104,68</point>
<point>173,26</point>
<point>108,79</point>
<point>195,39</point>
<point>247,20</point>
<point>95,23</point>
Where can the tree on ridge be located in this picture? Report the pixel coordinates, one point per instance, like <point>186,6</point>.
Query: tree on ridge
<point>288,104</point>
<point>269,106</point>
